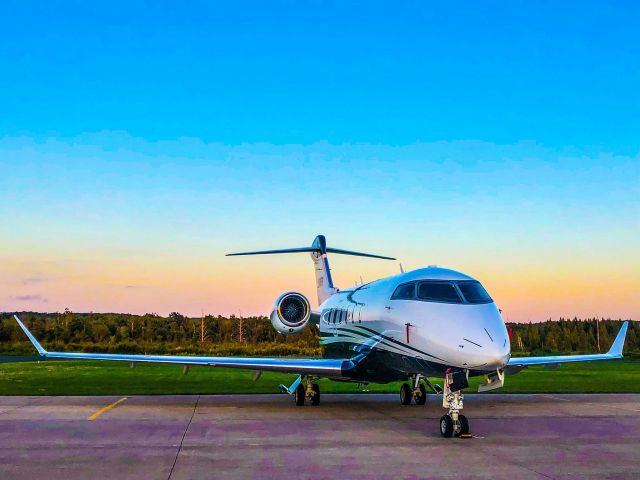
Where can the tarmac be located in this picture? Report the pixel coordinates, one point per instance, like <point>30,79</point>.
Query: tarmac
<point>346,437</point>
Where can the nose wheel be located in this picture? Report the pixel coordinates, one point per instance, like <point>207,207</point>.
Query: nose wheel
<point>450,427</point>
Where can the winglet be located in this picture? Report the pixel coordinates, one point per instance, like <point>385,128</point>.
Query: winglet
<point>26,331</point>
<point>618,343</point>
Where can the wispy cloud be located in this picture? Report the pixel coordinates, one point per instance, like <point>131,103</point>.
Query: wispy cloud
<point>31,298</point>
<point>35,279</point>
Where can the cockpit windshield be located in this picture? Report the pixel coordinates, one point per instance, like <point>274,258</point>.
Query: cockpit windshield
<point>473,292</point>
<point>438,292</point>
<point>404,292</point>
<point>462,291</point>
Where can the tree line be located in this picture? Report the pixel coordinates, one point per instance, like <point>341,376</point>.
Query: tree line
<point>218,335</point>
<point>571,335</point>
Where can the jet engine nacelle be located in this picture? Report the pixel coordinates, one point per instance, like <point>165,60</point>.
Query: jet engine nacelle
<point>291,313</point>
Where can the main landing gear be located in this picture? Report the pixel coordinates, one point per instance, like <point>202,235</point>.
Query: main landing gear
<point>454,423</point>
<point>417,392</point>
<point>302,393</point>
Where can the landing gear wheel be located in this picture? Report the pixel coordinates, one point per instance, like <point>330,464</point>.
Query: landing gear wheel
<point>299,395</point>
<point>316,395</point>
<point>421,398</point>
<point>464,425</point>
<point>446,426</point>
<point>405,394</point>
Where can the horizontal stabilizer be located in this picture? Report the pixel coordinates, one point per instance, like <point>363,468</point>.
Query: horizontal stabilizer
<point>319,245</point>
<point>357,254</point>
<point>268,252</point>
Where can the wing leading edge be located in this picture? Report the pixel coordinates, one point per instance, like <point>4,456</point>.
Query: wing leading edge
<point>333,368</point>
<point>614,352</point>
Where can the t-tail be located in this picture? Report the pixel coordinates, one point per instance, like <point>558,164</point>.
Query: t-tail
<point>318,250</point>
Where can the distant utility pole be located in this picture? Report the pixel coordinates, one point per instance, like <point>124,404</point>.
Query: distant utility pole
<point>240,336</point>
<point>598,332</point>
<point>202,326</point>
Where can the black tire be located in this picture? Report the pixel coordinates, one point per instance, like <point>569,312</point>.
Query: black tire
<point>464,425</point>
<point>299,395</point>
<point>405,394</point>
<point>421,399</point>
<point>316,395</point>
<point>446,426</point>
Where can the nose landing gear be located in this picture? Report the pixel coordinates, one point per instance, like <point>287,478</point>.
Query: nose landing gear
<point>454,423</point>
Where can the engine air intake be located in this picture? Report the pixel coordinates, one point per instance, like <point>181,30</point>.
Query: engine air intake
<point>291,312</point>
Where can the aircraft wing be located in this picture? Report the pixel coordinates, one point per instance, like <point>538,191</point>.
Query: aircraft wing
<point>301,366</point>
<point>614,352</point>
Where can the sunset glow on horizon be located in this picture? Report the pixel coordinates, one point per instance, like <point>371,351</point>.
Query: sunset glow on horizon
<point>137,231</point>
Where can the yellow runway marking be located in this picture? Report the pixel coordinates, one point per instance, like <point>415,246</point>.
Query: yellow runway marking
<point>106,409</point>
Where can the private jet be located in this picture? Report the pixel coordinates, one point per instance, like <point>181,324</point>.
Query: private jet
<point>429,322</point>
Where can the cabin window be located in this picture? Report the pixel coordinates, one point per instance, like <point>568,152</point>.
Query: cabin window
<point>404,292</point>
<point>474,292</point>
<point>438,292</point>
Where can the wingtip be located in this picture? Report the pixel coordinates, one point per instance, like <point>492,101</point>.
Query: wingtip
<point>32,339</point>
<point>618,344</point>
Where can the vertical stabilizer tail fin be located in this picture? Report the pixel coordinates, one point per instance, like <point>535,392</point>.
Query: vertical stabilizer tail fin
<point>324,282</point>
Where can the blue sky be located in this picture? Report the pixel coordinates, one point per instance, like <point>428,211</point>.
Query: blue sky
<point>140,143</point>
<point>559,73</point>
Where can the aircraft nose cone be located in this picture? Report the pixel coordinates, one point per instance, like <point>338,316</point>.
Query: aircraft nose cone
<point>498,357</point>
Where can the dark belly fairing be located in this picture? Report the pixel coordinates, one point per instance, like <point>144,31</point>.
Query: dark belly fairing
<point>381,366</point>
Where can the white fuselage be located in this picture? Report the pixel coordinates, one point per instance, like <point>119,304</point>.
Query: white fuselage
<point>464,335</point>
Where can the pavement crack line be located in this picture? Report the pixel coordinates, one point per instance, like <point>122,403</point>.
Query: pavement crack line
<point>18,407</point>
<point>175,460</point>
